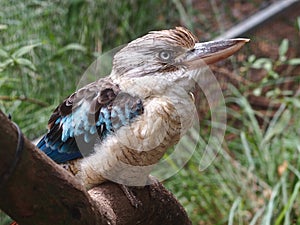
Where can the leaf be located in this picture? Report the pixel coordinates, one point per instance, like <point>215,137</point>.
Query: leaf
<point>3,26</point>
<point>6,63</point>
<point>295,101</point>
<point>298,23</point>
<point>72,46</point>
<point>284,46</point>
<point>24,50</point>
<point>294,62</point>
<point>268,66</point>
<point>289,207</point>
<point>25,62</point>
<point>277,125</point>
<point>261,63</point>
<point>272,73</point>
<point>251,58</point>
<point>4,53</point>
<point>257,91</point>
<point>271,205</point>
<point>3,80</point>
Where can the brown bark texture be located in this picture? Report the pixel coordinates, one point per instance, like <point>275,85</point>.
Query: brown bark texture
<point>35,190</point>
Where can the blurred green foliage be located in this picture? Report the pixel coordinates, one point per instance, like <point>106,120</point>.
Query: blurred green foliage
<point>45,46</point>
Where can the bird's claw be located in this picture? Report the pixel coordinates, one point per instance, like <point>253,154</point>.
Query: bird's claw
<point>134,201</point>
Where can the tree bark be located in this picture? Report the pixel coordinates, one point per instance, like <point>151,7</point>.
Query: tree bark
<point>38,191</point>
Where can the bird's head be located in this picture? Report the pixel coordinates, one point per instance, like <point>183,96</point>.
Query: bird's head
<point>169,54</point>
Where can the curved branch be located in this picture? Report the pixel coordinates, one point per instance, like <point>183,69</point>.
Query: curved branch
<point>24,99</point>
<point>38,191</point>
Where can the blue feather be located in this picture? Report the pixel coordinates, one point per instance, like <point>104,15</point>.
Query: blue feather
<point>62,140</point>
<point>59,155</point>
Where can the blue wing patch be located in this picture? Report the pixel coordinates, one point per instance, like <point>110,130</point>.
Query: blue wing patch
<point>73,134</point>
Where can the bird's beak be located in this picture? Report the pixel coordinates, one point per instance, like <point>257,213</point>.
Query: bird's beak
<point>213,51</point>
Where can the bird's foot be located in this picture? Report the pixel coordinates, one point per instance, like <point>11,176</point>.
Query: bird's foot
<point>134,201</point>
<point>152,185</point>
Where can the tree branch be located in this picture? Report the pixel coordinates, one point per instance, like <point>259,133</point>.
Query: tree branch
<point>24,99</point>
<point>38,191</point>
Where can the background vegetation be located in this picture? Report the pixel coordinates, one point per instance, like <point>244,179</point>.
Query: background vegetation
<point>45,47</point>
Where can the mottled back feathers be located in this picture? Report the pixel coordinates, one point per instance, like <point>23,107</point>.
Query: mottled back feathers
<point>86,117</point>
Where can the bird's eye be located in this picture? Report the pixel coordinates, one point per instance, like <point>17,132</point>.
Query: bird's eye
<point>165,55</point>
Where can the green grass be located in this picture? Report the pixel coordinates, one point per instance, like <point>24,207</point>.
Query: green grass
<point>253,180</point>
<point>255,177</point>
<point>45,47</point>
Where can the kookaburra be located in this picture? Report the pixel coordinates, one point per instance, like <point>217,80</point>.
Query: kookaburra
<point>118,127</point>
